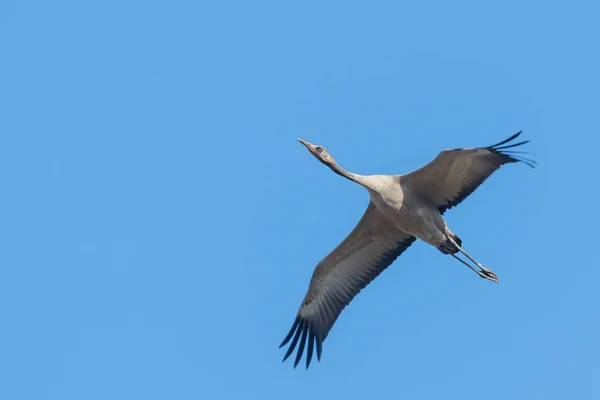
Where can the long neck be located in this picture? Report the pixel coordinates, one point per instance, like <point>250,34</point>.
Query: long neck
<point>346,174</point>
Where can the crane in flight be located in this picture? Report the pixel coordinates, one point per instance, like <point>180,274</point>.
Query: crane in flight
<point>402,209</point>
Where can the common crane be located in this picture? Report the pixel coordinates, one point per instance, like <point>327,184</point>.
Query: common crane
<point>402,209</point>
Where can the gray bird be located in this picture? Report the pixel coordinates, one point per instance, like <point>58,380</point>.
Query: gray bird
<point>402,209</point>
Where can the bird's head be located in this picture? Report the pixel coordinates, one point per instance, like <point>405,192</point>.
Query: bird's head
<point>319,152</point>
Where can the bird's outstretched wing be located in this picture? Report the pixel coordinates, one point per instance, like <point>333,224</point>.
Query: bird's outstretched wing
<point>454,174</point>
<point>370,248</point>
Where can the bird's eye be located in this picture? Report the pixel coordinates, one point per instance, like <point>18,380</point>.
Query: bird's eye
<point>319,149</point>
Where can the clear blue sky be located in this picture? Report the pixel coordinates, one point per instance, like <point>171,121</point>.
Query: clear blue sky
<point>159,222</point>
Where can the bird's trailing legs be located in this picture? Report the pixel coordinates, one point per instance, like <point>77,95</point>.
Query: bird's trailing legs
<point>484,273</point>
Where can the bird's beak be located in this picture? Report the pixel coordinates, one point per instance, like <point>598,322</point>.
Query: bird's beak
<point>308,145</point>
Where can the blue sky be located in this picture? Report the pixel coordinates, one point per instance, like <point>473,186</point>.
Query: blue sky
<point>159,222</point>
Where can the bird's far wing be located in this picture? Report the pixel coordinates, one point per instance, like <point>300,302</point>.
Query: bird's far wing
<point>370,248</point>
<point>454,174</point>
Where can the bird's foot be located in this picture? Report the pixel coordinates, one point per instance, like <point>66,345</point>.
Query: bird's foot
<point>487,274</point>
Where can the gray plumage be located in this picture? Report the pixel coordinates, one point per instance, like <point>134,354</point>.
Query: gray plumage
<point>402,209</point>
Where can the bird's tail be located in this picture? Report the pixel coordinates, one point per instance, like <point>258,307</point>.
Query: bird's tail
<point>456,239</point>
<point>449,246</point>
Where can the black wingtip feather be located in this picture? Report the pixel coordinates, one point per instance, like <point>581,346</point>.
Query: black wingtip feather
<point>501,148</point>
<point>309,351</point>
<point>319,349</point>
<point>506,140</point>
<point>289,335</point>
<point>519,152</point>
<point>301,347</point>
<point>299,334</point>
<point>508,146</point>
<point>294,341</point>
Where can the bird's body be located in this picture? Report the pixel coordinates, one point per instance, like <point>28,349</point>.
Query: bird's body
<point>404,209</point>
<point>401,209</point>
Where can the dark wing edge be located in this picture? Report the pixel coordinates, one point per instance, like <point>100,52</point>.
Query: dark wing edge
<point>502,156</point>
<point>312,328</point>
<point>512,155</point>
